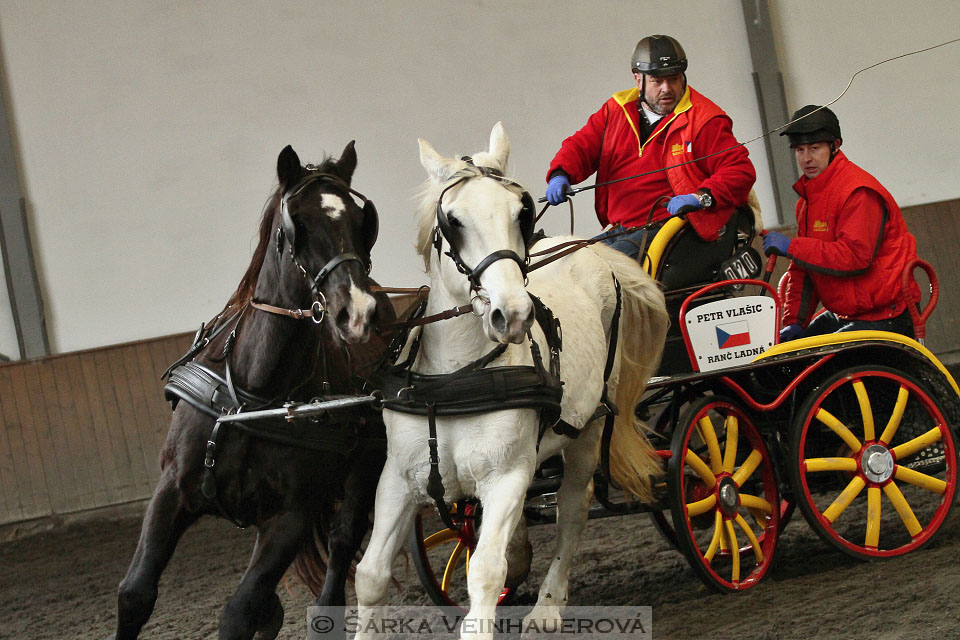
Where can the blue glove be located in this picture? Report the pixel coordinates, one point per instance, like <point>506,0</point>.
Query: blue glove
<point>557,189</point>
<point>776,243</point>
<point>688,200</point>
<point>791,332</point>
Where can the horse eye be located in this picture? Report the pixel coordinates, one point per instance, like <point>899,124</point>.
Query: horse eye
<point>454,222</point>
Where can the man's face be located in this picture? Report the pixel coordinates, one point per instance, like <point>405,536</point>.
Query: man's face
<point>661,93</point>
<point>813,158</point>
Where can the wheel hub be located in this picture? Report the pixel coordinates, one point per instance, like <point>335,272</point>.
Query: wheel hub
<point>877,463</point>
<point>728,497</point>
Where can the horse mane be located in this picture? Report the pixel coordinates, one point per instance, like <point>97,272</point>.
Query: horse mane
<point>429,193</point>
<point>244,291</point>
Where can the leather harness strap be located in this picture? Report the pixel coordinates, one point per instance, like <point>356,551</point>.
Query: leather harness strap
<point>315,312</point>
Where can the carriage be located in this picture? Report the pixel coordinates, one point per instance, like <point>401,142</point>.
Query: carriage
<point>748,429</point>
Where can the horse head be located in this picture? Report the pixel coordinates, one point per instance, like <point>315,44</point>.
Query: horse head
<point>479,222</point>
<point>328,235</point>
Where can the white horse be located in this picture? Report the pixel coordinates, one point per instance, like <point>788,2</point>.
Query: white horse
<point>493,456</point>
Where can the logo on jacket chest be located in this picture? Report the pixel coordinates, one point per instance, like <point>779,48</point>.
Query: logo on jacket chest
<point>819,226</point>
<point>678,148</point>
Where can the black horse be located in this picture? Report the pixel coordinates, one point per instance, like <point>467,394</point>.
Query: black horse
<point>298,326</point>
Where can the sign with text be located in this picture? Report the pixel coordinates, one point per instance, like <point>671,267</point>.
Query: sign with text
<point>730,332</point>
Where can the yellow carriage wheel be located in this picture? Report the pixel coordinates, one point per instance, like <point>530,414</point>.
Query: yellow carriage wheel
<point>874,461</point>
<point>441,556</point>
<point>724,500</point>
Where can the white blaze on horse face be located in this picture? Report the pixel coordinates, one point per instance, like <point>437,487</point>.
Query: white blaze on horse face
<point>362,307</point>
<point>333,205</point>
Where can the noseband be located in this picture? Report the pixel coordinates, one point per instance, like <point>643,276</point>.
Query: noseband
<point>444,230</point>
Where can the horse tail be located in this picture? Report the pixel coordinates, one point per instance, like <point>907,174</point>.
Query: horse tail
<point>310,563</point>
<point>643,329</point>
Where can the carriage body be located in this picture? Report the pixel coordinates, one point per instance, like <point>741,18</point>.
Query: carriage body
<point>858,429</point>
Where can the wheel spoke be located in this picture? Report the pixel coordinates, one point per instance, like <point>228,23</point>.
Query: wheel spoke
<point>921,480</point>
<point>902,508</point>
<point>894,423</point>
<point>700,467</point>
<point>717,535</point>
<point>757,551</point>
<point>701,506</point>
<point>829,464</point>
<point>872,538</point>
<point>748,467</point>
<point>755,503</point>
<point>709,435</point>
<point>451,567</point>
<point>917,444</point>
<point>866,413</point>
<point>844,499</point>
<point>730,454</point>
<point>734,550</point>
<point>439,537</point>
<point>839,428</point>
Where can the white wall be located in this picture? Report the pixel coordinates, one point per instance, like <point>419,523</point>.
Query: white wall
<point>148,131</point>
<point>899,120</point>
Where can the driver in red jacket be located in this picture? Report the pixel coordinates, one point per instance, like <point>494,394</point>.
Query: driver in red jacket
<point>660,124</point>
<point>852,243</point>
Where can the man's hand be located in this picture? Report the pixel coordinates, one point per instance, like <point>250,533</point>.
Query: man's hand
<point>791,332</point>
<point>557,189</point>
<point>776,243</point>
<point>688,200</point>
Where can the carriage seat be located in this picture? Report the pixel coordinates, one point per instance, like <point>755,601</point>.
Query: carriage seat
<point>678,258</point>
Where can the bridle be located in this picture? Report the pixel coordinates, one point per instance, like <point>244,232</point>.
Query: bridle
<point>287,234</point>
<point>444,230</point>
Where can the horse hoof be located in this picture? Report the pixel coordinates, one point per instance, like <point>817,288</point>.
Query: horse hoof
<point>270,630</point>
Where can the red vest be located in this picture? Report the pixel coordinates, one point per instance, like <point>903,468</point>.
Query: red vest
<point>610,145</point>
<point>823,214</point>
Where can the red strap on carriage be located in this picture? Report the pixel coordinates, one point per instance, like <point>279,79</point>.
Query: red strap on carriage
<point>919,316</point>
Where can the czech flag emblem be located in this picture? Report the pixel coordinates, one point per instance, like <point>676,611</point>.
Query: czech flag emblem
<point>733,334</point>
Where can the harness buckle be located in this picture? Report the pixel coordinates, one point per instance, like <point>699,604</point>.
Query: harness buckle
<point>209,460</point>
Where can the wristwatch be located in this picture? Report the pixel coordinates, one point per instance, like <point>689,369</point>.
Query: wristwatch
<point>705,198</point>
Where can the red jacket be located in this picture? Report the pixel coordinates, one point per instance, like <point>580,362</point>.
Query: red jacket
<point>851,247</point>
<point>609,144</point>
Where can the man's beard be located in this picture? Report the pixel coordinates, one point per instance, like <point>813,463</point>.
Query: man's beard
<point>658,109</point>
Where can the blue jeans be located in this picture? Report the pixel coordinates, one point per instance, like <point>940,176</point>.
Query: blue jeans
<point>828,322</point>
<point>629,243</point>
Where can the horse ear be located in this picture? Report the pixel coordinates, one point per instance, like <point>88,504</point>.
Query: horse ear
<point>288,166</point>
<point>347,163</point>
<point>500,146</point>
<point>438,167</point>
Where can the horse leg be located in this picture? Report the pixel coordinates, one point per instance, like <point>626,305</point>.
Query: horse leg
<point>349,526</point>
<point>393,517</point>
<point>502,500</point>
<point>163,523</point>
<point>573,499</point>
<point>255,604</point>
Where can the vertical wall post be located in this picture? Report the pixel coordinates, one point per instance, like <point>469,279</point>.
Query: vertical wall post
<point>772,101</point>
<point>23,286</point>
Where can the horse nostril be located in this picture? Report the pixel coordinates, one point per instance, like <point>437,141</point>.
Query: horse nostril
<point>498,321</point>
<point>343,319</point>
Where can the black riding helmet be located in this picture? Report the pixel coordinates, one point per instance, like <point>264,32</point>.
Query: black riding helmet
<point>659,55</point>
<point>815,124</point>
